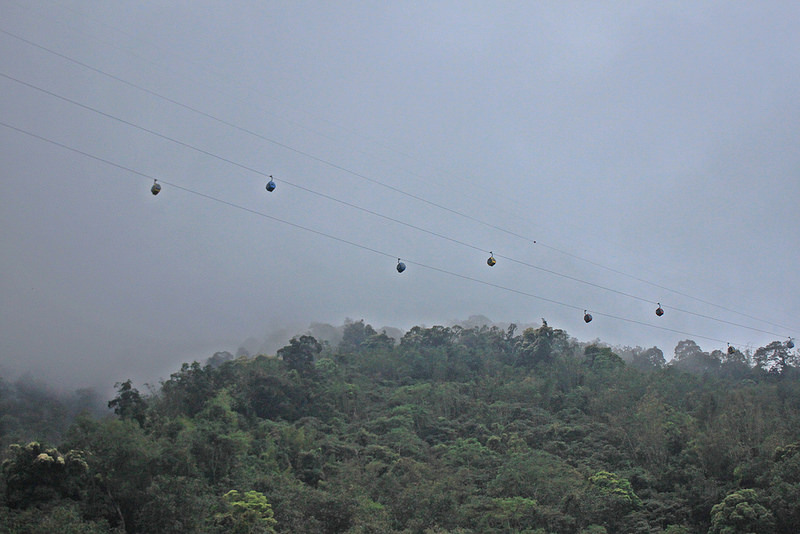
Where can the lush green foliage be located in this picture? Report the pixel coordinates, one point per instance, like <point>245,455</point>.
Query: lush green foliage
<point>461,430</point>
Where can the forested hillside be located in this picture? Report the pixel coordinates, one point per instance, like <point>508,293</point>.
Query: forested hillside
<point>462,430</point>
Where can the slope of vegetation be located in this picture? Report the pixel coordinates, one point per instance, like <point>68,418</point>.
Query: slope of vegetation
<point>461,430</point>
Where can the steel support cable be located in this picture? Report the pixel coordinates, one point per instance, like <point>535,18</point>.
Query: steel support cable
<point>571,306</point>
<point>162,51</point>
<point>186,58</point>
<point>183,188</point>
<point>675,291</point>
<point>377,182</point>
<point>416,197</point>
<point>343,169</point>
<point>272,141</point>
<point>550,247</point>
<point>642,299</point>
<point>347,241</point>
<point>237,164</point>
<point>372,212</point>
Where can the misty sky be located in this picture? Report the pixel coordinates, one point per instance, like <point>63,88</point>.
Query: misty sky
<point>656,139</point>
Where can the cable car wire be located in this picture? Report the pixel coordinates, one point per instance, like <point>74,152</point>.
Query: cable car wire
<point>347,241</point>
<point>366,210</point>
<point>241,166</point>
<point>274,142</point>
<point>390,187</point>
<point>199,65</point>
<point>188,190</point>
<point>659,286</point>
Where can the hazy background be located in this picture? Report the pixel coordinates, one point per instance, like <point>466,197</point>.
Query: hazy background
<point>658,139</point>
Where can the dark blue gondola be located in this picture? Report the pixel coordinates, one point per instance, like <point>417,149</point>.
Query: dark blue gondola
<point>587,317</point>
<point>659,310</point>
<point>400,266</point>
<point>790,344</point>
<point>156,189</point>
<point>271,184</point>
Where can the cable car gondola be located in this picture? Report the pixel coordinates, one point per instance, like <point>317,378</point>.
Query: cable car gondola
<point>156,189</point>
<point>271,184</point>
<point>400,266</point>
<point>731,350</point>
<point>491,261</point>
<point>587,317</point>
<point>659,310</point>
<point>790,344</point>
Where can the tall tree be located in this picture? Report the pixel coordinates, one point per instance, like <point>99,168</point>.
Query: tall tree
<point>690,357</point>
<point>741,512</point>
<point>300,353</point>
<point>649,359</point>
<point>784,488</point>
<point>540,345</point>
<point>776,358</point>
<point>246,513</point>
<point>354,336</point>
<point>128,404</point>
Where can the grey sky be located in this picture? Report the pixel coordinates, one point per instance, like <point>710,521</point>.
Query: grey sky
<point>657,139</point>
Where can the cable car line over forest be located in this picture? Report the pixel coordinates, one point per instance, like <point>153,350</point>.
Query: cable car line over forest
<point>388,186</point>
<point>401,265</point>
<point>271,187</point>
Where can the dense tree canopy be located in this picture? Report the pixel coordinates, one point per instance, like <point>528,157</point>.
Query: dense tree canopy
<point>448,429</point>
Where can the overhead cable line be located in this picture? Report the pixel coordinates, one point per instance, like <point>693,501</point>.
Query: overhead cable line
<point>347,241</point>
<point>372,212</point>
<point>201,65</point>
<point>642,299</point>
<point>183,188</point>
<point>611,269</point>
<point>204,65</point>
<point>241,166</point>
<point>387,186</point>
<point>538,242</point>
<point>183,57</point>
<point>273,141</point>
